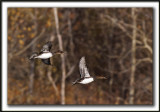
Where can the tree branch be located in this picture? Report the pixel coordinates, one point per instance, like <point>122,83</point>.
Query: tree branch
<point>32,42</point>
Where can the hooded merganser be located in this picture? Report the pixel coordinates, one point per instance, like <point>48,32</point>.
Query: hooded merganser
<point>85,77</point>
<point>45,53</point>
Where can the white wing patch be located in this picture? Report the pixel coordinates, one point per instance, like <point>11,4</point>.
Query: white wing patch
<point>83,69</point>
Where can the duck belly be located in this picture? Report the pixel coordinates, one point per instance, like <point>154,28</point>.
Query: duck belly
<point>45,55</point>
<point>87,80</point>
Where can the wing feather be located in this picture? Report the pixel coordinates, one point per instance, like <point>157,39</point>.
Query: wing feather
<point>46,61</point>
<point>47,46</point>
<point>82,68</point>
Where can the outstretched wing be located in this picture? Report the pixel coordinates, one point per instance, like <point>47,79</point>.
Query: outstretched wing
<point>46,61</point>
<point>83,69</point>
<point>47,47</point>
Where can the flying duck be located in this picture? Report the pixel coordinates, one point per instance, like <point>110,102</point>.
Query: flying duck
<point>85,77</point>
<point>45,53</point>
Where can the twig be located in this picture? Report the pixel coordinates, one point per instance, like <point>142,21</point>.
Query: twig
<point>52,81</point>
<point>115,21</point>
<point>70,71</point>
<point>143,60</point>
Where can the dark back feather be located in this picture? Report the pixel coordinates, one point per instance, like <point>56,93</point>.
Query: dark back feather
<point>46,61</point>
<point>47,46</point>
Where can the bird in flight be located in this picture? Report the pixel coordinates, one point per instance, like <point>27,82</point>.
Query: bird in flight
<point>85,77</point>
<point>45,54</point>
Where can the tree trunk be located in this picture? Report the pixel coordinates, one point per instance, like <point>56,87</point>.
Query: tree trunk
<point>133,59</point>
<point>62,57</point>
<point>31,78</point>
<point>49,73</point>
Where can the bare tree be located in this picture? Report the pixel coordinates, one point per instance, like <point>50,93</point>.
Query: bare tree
<point>49,74</point>
<point>133,68</point>
<point>71,44</point>
<point>31,77</point>
<point>62,57</point>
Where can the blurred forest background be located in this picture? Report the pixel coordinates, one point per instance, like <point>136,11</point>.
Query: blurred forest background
<point>117,43</point>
